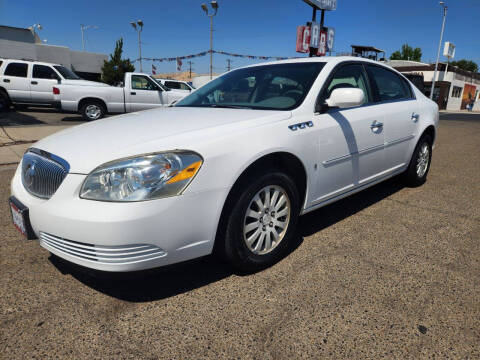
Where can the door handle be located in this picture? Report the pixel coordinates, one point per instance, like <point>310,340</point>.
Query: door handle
<point>415,117</point>
<point>133,93</point>
<point>6,80</point>
<point>34,82</point>
<point>376,125</point>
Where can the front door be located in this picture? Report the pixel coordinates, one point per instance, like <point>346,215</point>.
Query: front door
<point>44,78</point>
<point>143,94</point>
<point>351,140</point>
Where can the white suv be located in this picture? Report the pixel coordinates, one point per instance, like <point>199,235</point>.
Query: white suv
<point>24,83</point>
<point>176,85</point>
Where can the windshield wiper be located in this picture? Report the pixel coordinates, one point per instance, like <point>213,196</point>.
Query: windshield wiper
<point>226,106</point>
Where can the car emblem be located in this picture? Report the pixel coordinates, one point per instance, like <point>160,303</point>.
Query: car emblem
<point>29,174</point>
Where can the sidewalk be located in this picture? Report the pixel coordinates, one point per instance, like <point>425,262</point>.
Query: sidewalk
<point>14,141</point>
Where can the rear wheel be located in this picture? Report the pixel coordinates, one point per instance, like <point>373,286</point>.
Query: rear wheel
<point>262,223</point>
<point>92,110</point>
<point>417,171</point>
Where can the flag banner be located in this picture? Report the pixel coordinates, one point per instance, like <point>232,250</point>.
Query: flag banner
<point>204,53</point>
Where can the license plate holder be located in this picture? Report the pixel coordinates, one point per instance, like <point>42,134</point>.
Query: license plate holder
<point>20,218</point>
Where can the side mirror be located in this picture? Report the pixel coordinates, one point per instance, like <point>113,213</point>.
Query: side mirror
<point>345,98</point>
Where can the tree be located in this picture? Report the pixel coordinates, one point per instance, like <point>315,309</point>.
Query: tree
<point>465,65</point>
<point>407,53</point>
<point>113,70</point>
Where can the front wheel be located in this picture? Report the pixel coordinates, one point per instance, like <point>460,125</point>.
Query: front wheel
<point>262,223</point>
<point>417,171</point>
<point>92,111</point>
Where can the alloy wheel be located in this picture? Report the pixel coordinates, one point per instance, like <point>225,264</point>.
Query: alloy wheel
<point>266,219</point>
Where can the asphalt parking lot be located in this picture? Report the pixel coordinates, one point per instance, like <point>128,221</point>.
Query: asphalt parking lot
<point>391,272</point>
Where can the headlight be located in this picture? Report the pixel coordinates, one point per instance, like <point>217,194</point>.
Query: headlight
<point>142,178</point>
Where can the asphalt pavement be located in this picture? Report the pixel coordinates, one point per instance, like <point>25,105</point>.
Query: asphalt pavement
<point>391,272</point>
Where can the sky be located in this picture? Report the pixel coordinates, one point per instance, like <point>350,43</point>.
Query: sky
<point>257,27</point>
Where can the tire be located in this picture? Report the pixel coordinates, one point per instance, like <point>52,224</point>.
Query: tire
<point>92,110</point>
<point>259,251</point>
<point>417,171</point>
<point>4,102</point>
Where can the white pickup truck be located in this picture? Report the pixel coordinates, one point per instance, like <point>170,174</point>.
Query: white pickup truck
<point>94,100</point>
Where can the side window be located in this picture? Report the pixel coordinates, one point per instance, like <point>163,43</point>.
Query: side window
<point>43,72</point>
<point>389,85</point>
<point>184,86</point>
<point>348,76</point>
<point>140,82</point>
<point>16,69</point>
<point>172,84</point>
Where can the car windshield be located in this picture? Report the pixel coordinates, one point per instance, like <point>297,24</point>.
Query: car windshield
<point>264,87</point>
<point>67,73</point>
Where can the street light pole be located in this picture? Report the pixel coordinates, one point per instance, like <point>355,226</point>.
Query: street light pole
<point>82,29</point>
<point>439,47</point>
<point>138,26</point>
<point>214,6</point>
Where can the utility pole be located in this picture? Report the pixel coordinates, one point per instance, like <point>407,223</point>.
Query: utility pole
<point>439,47</point>
<point>214,6</point>
<point>138,29</point>
<point>190,69</point>
<point>229,61</point>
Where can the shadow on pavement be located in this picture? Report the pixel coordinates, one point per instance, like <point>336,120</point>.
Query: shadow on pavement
<point>168,281</point>
<point>11,118</point>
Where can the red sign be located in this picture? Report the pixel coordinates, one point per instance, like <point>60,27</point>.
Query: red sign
<point>322,46</point>
<point>303,39</point>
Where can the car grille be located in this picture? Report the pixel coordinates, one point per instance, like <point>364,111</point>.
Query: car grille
<point>105,254</point>
<point>42,172</point>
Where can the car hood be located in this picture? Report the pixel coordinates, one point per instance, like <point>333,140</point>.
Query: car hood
<point>90,145</point>
<point>83,83</point>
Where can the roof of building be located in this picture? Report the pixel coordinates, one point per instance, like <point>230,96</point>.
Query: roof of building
<point>360,48</point>
<point>19,34</point>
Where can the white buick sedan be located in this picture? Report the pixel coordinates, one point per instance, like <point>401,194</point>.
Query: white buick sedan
<point>231,167</point>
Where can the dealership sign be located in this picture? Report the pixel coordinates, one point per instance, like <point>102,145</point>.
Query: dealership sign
<point>306,36</point>
<point>323,4</point>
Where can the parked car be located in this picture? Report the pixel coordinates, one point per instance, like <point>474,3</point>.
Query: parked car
<point>93,101</point>
<point>176,85</point>
<point>230,167</point>
<point>30,83</point>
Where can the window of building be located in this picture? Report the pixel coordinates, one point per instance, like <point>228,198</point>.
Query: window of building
<point>16,69</point>
<point>456,91</point>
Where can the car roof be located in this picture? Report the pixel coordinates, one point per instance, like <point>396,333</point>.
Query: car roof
<point>324,59</point>
<point>29,62</point>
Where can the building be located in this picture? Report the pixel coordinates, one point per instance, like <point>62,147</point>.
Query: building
<point>20,43</point>
<point>454,87</point>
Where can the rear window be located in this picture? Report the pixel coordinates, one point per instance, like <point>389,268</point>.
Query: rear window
<point>389,85</point>
<point>16,69</point>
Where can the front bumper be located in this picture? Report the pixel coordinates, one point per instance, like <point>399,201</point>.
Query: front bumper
<point>92,233</point>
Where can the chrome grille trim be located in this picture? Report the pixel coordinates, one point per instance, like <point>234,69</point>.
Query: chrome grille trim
<point>99,253</point>
<point>42,172</point>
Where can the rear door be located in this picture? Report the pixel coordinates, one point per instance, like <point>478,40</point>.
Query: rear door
<point>351,140</point>
<point>400,108</point>
<point>44,78</point>
<point>143,94</point>
<point>15,81</point>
